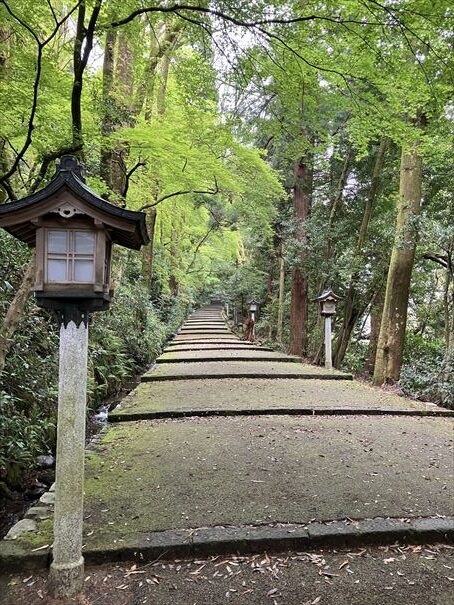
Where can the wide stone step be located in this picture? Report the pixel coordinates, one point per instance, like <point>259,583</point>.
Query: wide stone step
<point>237,471</point>
<point>234,369</point>
<point>225,346</point>
<point>205,336</point>
<point>262,395</point>
<point>226,355</point>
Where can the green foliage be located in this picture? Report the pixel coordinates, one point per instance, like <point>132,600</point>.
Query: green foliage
<point>22,437</point>
<point>427,371</point>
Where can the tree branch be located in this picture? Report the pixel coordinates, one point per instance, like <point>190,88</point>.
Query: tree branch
<point>128,176</point>
<point>185,192</point>
<point>440,260</point>
<point>199,245</point>
<point>41,45</point>
<point>234,20</point>
<point>47,159</point>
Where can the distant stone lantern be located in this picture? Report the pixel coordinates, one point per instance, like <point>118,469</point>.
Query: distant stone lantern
<point>73,231</point>
<point>253,308</point>
<point>327,301</point>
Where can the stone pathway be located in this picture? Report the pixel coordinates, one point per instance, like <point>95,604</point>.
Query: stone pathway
<point>229,446</point>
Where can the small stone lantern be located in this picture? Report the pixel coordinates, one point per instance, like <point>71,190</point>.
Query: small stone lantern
<point>253,306</point>
<point>73,231</point>
<point>328,301</point>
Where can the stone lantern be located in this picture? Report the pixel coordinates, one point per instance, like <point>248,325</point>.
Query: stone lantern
<point>253,306</point>
<point>73,231</point>
<point>327,301</point>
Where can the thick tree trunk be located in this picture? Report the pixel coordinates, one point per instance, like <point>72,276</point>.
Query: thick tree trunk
<point>376,313</point>
<point>390,346</point>
<point>302,200</point>
<point>16,311</point>
<point>353,308</point>
<point>280,313</point>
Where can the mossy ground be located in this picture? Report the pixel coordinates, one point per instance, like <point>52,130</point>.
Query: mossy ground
<point>152,476</point>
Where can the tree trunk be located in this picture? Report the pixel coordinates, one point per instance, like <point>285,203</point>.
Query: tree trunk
<point>280,313</point>
<point>390,346</point>
<point>76,95</point>
<point>147,258</point>
<point>162,88</point>
<point>448,307</point>
<point>337,200</point>
<point>16,311</point>
<point>302,200</point>
<point>353,308</point>
<point>83,44</point>
<point>376,313</point>
<point>108,119</point>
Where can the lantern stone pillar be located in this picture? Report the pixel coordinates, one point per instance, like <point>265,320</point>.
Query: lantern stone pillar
<point>67,568</point>
<point>328,338</point>
<point>327,301</point>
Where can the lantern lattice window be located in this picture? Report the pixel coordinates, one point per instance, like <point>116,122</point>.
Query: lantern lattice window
<point>70,255</point>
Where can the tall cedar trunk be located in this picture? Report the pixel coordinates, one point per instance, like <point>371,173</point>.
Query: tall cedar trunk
<point>108,119</point>
<point>280,313</point>
<point>16,311</point>
<point>353,307</point>
<point>376,313</point>
<point>302,200</point>
<point>390,346</point>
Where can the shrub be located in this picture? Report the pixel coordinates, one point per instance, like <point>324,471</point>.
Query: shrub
<point>22,438</point>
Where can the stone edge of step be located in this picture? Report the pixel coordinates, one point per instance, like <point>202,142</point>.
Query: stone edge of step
<point>247,539</point>
<point>130,416</point>
<point>253,375</point>
<point>288,359</point>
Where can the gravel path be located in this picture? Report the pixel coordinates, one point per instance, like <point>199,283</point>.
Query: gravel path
<point>368,576</point>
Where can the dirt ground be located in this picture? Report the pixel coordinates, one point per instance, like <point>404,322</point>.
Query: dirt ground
<point>416,575</point>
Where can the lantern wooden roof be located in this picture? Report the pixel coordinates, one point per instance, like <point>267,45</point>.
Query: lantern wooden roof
<point>327,295</point>
<point>20,218</point>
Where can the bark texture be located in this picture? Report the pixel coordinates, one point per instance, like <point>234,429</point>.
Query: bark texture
<point>302,201</point>
<point>390,346</point>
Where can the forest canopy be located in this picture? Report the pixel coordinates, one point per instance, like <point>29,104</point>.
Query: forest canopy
<point>277,148</point>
